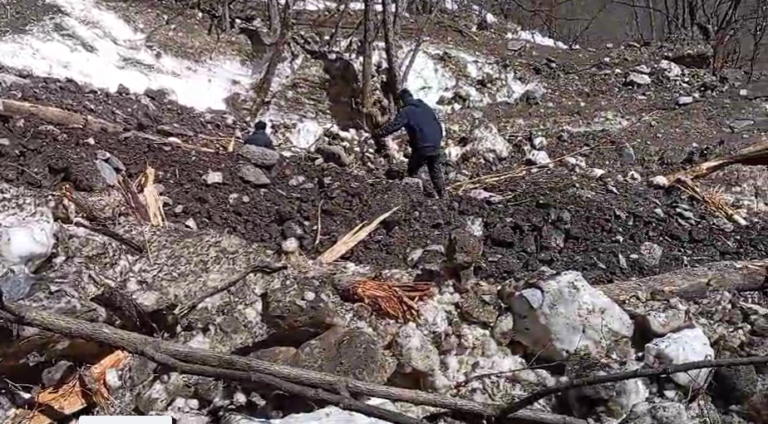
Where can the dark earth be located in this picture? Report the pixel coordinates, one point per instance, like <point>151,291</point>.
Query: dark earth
<point>555,218</point>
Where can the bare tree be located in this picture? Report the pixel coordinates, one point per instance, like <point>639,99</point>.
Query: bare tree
<point>389,47</point>
<point>757,32</point>
<point>367,54</point>
<point>262,88</point>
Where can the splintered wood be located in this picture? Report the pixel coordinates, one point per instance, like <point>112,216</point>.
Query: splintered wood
<point>152,198</point>
<point>352,238</point>
<point>52,404</point>
<point>396,301</point>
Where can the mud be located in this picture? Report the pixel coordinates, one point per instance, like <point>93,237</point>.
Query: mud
<point>555,218</point>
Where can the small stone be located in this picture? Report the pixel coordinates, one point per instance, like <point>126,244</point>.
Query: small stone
<point>684,100</point>
<point>90,141</point>
<point>537,157</point>
<point>642,69</point>
<point>650,254</point>
<point>290,246</point>
<point>743,93</point>
<point>5,142</point>
<point>635,79</point>
<point>58,374</point>
<point>659,181</point>
<point>297,181</point>
<point>239,399</point>
<point>760,326</point>
<point>539,143</point>
<point>309,296</point>
<point>178,209</point>
<point>414,256</point>
<point>112,379</point>
<point>191,224</point>
<point>333,154</point>
<point>627,154</point>
<point>213,178</point>
<point>596,172</point>
<point>172,130</point>
<point>634,177</point>
<point>259,156</point>
<point>414,183</point>
<point>504,329</point>
<point>516,45</point>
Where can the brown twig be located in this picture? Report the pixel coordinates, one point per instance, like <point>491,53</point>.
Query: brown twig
<point>319,228</point>
<point>265,267</point>
<point>630,375</point>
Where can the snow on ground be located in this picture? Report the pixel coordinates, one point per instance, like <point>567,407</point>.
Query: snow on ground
<point>92,45</point>
<point>536,38</point>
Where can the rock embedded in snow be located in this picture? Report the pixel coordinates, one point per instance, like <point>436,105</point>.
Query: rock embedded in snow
<point>253,175</point>
<point>635,79</point>
<point>259,156</point>
<point>564,314</point>
<point>485,141</point>
<point>689,345</point>
<point>27,230</point>
<point>416,351</point>
<point>659,413</point>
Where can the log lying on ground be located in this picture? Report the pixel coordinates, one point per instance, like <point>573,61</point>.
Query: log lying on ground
<point>148,346</point>
<point>55,115</point>
<point>694,283</point>
<point>749,156</point>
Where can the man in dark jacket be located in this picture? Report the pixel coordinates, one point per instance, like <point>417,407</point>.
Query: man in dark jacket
<point>425,134</point>
<point>259,136</point>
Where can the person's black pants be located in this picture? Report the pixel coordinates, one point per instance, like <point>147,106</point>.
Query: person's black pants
<point>432,160</point>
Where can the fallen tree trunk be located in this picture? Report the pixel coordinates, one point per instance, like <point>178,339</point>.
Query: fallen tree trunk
<point>55,115</point>
<point>694,283</point>
<point>144,345</point>
<point>750,156</point>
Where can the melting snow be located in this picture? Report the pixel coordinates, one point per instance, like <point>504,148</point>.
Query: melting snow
<point>536,38</point>
<point>95,46</point>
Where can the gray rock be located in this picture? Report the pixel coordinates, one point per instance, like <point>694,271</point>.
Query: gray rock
<point>684,100</point>
<point>290,245</point>
<point>552,238</point>
<point>174,131</point>
<point>661,323</point>
<point>191,224</point>
<point>479,305</point>
<point>760,326</point>
<point>297,181</point>
<point>157,397</point>
<point>349,353</point>
<point>253,175</point>
<point>259,156</point>
<point>516,45</point>
<point>642,69</point>
<point>504,329</point>
<point>660,413</point>
<point>282,355</point>
<point>650,254</point>
<point>333,154</point>
<point>415,351</point>
<point>635,79</point>
<point>627,154</point>
<point>213,178</point>
<point>735,385</point>
<point>537,157</point>
<point>106,171</point>
<point>58,374</point>
<point>414,184</point>
<point>16,286</point>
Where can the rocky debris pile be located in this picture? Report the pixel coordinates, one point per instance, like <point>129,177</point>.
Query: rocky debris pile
<point>486,341</point>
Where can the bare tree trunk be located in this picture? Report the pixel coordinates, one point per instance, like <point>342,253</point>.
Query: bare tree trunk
<point>337,28</point>
<point>652,19</point>
<point>367,56</point>
<point>261,91</point>
<point>419,40</point>
<point>389,47</point>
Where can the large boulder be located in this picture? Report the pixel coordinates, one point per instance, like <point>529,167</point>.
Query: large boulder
<point>563,314</point>
<point>259,156</point>
<point>689,345</point>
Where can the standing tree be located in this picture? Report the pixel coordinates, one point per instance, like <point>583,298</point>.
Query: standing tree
<point>262,88</point>
<point>389,47</point>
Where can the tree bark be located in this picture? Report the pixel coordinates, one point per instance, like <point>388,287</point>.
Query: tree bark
<point>367,55</point>
<point>261,91</point>
<point>694,283</point>
<point>389,47</point>
<point>139,344</point>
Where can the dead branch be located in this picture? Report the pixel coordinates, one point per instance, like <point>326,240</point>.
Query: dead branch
<point>351,239</point>
<point>335,35</point>
<point>630,375</point>
<point>55,115</point>
<point>367,55</point>
<point>417,46</point>
<point>694,283</point>
<point>106,232</point>
<point>343,402</point>
<point>754,155</point>
<point>389,48</point>
<point>265,267</point>
<point>137,344</point>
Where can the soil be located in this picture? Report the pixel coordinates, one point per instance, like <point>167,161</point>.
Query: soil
<point>555,218</point>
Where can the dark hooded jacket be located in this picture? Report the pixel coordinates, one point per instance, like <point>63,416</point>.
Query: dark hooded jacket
<point>259,136</point>
<point>425,134</point>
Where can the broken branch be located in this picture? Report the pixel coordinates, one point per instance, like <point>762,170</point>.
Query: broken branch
<point>629,375</point>
<point>55,115</point>
<point>352,238</point>
<point>137,344</point>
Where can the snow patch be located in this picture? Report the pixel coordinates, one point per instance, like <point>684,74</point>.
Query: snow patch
<point>536,38</point>
<point>95,46</point>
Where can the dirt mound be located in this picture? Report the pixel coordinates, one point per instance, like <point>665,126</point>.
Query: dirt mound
<point>558,219</point>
